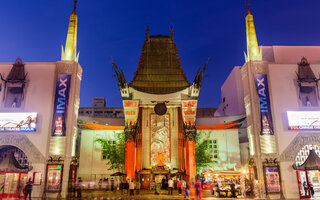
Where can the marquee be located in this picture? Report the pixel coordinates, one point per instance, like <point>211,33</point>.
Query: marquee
<point>303,120</point>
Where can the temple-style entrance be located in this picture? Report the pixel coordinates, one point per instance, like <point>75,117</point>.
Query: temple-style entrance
<point>160,109</point>
<point>14,167</point>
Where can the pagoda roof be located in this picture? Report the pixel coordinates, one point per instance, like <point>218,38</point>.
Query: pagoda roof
<point>159,69</point>
<point>305,73</point>
<point>311,163</point>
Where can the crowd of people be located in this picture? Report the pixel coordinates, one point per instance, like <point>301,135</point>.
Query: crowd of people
<point>127,187</point>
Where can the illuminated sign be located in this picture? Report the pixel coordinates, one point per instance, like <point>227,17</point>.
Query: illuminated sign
<point>18,122</point>
<point>304,120</point>
<point>189,108</point>
<point>61,105</point>
<point>264,99</point>
<point>131,111</point>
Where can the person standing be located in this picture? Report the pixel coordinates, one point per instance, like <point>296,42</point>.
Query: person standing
<point>170,186</point>
<point>79,187</point>
<point>112,184</point>
<point>305,187</point>
<point>311,189</point>
<point>184,186</point>
<point>138,186</point>
<point>179,185</point>
<point>126,187</point>
<point>28,189</point>
<point>197,186</point>
<point>100,183</point>
<point>131,187</point>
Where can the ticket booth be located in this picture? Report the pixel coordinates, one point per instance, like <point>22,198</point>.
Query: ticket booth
<point>308,175</point>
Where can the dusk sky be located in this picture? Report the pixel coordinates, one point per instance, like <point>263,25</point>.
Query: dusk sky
<point>35,30</point>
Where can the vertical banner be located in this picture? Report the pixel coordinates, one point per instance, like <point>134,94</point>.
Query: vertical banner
<point>264,101</point>
<point>61,105</point>
<point>189,110</point>
<point>131,109</point>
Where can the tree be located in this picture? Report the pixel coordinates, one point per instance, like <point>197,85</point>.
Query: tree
<point>203,158</point>
<point>114,153</point>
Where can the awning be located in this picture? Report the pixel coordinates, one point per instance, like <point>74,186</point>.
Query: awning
<point>311,163</point>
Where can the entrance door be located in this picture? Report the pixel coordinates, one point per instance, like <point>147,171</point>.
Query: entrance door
<point>303,184</point>
<point>145,181</point>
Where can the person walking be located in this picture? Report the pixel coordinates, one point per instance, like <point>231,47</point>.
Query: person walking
<point>179,185</point>
<point>126,186</point>
<point>79,187</point>
<point>170,186</point>
<point>28,189</point>
<point>131,187</point>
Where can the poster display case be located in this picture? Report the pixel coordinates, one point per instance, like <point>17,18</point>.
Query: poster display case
<point>54,177</point>
<point>272,179</point>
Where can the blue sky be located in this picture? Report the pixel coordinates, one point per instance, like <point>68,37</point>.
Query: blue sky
<point>36,29</point>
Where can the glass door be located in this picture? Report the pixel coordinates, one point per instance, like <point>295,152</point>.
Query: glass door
<point>303,184</point>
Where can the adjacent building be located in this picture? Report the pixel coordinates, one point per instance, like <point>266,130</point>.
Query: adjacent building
<point>281,101</point>
<point>38,122</point>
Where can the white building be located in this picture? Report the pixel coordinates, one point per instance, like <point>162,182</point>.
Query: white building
<point>281,101</point>
<point>38,122</point>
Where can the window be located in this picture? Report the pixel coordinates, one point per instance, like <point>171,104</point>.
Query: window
<point>213,149</point>
<point>308,96</point>
<point>14,96</point>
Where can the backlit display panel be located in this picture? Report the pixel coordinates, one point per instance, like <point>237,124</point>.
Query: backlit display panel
<point>18,122</point>
<point>304,120</point>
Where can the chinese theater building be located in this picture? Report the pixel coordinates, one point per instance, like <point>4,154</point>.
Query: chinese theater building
<point>281,101</point>
<point>160,109</point>
<point>38,122</point>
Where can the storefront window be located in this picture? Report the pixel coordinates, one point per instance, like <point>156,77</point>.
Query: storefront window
<point>54,177</point>
<point>2,176</point>
<point>11,183</point>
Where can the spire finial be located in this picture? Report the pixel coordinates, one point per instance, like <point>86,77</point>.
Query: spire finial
<point>147,27</point>
<point>75,4</point>
<point>171,27</point>
<point>248,5</point>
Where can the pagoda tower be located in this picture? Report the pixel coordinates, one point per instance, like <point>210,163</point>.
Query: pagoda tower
<point>160,109</point>
<point>253,52</point>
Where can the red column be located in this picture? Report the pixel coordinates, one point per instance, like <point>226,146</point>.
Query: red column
<point>130,159</point>
<point>190,160</point>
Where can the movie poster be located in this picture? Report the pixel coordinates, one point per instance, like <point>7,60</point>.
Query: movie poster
<point>273,180</point>
<point>61,105</point>
<point>264,100</point>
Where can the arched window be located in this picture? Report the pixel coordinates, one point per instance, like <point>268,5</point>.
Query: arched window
<point>304,153</point>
